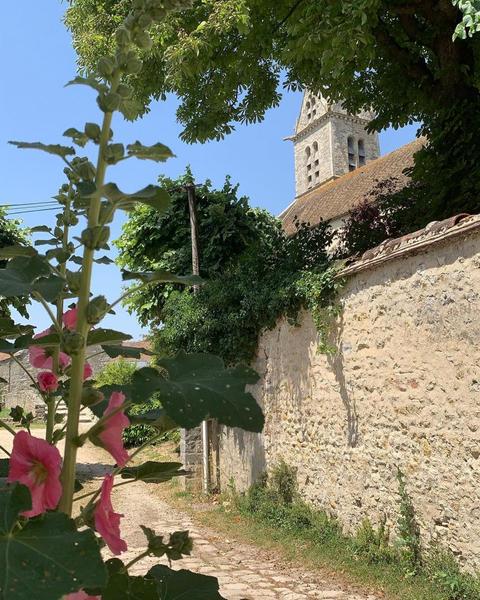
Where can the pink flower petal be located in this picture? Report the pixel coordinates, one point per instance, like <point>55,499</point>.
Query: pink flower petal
<point>111,436</point>
<point>87,371</point>
<point>36,464</point>
<point>70,318</point>
<point>107,522</point>
<point>47,381</point>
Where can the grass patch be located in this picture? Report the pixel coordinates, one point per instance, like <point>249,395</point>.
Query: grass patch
<point>272,516</point>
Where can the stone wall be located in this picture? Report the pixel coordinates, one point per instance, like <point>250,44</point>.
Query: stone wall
<point>402,392</point>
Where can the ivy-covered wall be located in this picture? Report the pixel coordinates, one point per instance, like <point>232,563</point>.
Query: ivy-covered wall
<point>402,392</point>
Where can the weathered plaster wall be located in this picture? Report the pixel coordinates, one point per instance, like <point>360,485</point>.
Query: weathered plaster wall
<point>403,391</point>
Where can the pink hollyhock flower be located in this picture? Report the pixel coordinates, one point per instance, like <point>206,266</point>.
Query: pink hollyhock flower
<point>107,522</point>
<point>47,381</point>
<point>70,318</point>
<point>87,371</point>
<point>40,358</point>
<point>36,464</point>
<point>81,595</point>
<point>111,436</point>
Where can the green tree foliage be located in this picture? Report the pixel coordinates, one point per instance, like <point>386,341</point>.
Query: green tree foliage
<point>11,234</point>
<point>253,272</point>
<point>406,60</point>
<point>228,225</point>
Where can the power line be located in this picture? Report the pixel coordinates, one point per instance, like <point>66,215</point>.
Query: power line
<point>22,212</point>
<point>28,203</point>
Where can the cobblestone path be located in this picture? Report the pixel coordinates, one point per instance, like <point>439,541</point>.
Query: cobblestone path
<point>244,572</point>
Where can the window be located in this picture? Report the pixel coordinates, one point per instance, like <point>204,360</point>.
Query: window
<point>316,163</point>
<point>314,112</point>
<point>352,163</point>
<point>317,174</point>
<point>315,147</point>
<point>309,167</point>
<point>308,151</point>
<point>361,153</point>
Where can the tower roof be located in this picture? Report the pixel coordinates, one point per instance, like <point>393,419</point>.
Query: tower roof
<point>317,108</point>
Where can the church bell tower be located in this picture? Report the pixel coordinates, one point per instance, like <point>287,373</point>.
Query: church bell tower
<point>329,142</point>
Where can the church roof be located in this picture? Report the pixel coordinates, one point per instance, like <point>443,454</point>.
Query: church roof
<point>335,198</point>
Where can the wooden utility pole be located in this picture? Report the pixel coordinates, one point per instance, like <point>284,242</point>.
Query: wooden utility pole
<point>192,208</point>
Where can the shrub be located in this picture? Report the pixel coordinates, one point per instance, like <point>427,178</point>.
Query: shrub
<point>373,544</point>
<point>442,567</point>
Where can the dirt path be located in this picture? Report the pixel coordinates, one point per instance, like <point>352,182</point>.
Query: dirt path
<point>244,572</point>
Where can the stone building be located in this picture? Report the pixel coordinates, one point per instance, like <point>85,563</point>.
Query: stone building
<point>337,163</point>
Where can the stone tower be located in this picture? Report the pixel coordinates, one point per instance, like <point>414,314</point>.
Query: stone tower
<point>329,142</point>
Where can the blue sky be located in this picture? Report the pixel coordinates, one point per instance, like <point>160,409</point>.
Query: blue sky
<point>37,59</point>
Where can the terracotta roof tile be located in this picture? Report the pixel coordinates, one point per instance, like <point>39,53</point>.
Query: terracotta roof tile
<point>336,198</point>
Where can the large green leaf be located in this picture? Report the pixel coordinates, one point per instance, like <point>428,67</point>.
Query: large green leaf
<point>90,81</point>
<point>9,329</point>
<point>183,585</point>
<point>20,273</point>
<point>106,336</point>
<point>122,586</point>
<point>125,351</point>
<point>152,195</point>
<point>47,557</point>
<point>11,251</point>
<point>157,152</point>
<point>49,287</point>
<point>153,471</point>
<point>198,386</point>
<point>162,276</point>
<point>56,149</point>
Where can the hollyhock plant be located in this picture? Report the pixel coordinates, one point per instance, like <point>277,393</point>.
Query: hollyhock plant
<point>36,464</point>
<point>47,381</point>
<point>59,549</point>
<point>111,436</point>
<point>107,522</point>
<point>70,318</point>
<point>41,359</point>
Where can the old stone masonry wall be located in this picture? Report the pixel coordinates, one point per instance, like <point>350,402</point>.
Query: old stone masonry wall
<point>402,392</point>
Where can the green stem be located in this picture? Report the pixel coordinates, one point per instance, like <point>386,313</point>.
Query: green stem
<point>5,450</point>
<point>7,427</point>
<point>78,362</point>
<point>96,491</point>
<point>52,406</point>
<point>135,560</point>
<point>49,311</point>
<point>50,420</point>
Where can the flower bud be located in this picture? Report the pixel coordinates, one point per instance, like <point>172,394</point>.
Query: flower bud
<point>72,342</point>
<point>91,396</point>
<point>85,169</point>
<point>108,102</point>
<point>95,237</point>
<point>96,309</point>
<point>123,36</point>
<point>105,67</point>
<point>143,40</point>
<point>124,90</point>
<point>114,153</point>
<point>133,66</point>
<point>144,21</point>
<point>73,280</point>
<point>93,131</point>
